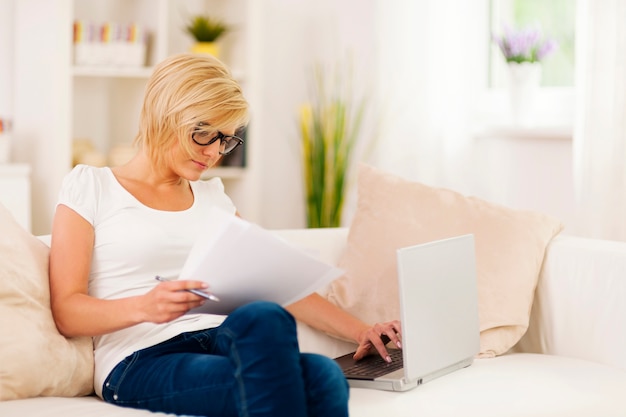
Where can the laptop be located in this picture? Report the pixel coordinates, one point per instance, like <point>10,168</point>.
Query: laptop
<point>439,315</point>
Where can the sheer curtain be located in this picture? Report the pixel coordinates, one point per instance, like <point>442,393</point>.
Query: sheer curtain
<point>600,130</point>
<point>431,72</point>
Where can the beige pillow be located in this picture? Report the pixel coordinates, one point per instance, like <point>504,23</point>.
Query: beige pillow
<point>35,360</point>
<point>393,212</point>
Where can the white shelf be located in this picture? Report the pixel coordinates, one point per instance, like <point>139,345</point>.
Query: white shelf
<point>140,73</point>
<point>112,72</point>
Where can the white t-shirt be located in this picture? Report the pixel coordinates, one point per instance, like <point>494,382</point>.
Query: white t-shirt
<point>133,244</point>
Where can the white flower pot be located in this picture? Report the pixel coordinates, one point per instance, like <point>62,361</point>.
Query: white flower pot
<point>524,80</point>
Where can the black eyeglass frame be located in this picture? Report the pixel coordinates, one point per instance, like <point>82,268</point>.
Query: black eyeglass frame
<point>224,139</point>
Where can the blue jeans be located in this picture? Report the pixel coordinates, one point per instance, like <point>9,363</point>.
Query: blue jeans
<point>248,366</point>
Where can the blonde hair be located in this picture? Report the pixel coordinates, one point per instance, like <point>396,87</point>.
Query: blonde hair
<point>183,91</point>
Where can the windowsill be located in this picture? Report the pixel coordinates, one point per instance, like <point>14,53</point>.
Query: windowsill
<point>553,117</point>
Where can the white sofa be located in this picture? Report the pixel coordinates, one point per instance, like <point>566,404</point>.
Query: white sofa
<point>571,362</point>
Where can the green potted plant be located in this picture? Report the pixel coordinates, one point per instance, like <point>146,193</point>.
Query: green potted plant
<point>206,31</point>
<point>330,126</point>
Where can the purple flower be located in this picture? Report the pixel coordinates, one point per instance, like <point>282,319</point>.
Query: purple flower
<point>546,49</point>
<point>524,45</point>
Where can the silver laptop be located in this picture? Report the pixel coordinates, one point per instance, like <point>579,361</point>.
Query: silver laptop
<point>439,314</point>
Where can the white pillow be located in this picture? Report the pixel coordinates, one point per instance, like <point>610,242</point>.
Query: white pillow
<point>35,359</point>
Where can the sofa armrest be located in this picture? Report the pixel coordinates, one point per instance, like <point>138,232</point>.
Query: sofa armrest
<point>579,308</point>
<point>326,244</point>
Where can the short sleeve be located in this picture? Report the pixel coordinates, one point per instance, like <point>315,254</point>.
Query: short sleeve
<point>213,191</point>
<point>79,191</point>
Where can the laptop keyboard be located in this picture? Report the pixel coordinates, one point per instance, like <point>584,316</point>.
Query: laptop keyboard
<point>373,366</point>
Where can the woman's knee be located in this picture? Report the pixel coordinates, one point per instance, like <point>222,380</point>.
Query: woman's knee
<point>321,372</point>
<point>266,318</point>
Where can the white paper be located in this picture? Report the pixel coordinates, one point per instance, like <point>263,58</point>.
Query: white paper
<point>243,262</point>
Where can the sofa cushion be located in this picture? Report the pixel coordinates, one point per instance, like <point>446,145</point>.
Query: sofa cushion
<point>393,212</point>
<point>512,385</point>
<point>36,359</point>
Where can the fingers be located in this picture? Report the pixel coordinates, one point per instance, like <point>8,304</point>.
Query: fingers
<point>390,331</point>
<point>362,351</point>
<point>176,295</point>
<point>181,285</point>
<point>377,337</point>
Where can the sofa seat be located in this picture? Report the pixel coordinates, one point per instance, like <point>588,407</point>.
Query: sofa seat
<point>517,384</point>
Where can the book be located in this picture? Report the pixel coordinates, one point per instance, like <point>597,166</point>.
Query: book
<point>243,262</point>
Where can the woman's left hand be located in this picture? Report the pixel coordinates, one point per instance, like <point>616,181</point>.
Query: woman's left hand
<point>376,337</point>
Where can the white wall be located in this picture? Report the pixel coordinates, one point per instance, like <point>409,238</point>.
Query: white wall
<point>41,103</point>
<point>6,62</point>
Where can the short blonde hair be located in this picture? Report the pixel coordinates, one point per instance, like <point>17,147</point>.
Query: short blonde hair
<point>183,91</point>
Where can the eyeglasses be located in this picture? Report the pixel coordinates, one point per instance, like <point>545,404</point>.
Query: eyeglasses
<point>228,143</point>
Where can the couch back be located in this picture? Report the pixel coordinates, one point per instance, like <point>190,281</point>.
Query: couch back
<point>579,309</point>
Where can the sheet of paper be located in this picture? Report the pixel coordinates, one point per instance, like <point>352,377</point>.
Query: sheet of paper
<point>243,262</point>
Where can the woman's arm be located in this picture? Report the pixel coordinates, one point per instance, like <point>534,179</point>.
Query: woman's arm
<point>78,314</point>
<point>321,314</point>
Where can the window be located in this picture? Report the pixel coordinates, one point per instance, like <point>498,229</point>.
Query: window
<point>555,18</point>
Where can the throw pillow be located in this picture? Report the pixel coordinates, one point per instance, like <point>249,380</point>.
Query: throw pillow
<point>35,359</point>
<point>393,212</point>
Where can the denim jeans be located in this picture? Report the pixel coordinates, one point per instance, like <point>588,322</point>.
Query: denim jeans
<point>248,366</point>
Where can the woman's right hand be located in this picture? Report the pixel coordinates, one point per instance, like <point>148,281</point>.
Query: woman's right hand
<point>169,300</point>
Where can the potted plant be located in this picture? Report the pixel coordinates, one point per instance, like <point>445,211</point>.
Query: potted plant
<point>523,50</point>
<point>330,125</point>
<point>206,31</point>
<point>524,45</point>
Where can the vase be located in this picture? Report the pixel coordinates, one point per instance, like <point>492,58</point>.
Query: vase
<point>523,83</point>
<point>209,48</point>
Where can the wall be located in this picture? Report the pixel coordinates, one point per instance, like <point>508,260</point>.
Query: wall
<point>6,60</point>
<point>530,171</point>
<point>41,100</point>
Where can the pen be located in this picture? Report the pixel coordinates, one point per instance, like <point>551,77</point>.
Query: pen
<point>205,294</point>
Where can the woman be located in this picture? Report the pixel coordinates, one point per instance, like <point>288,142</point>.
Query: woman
<point>115,229</point>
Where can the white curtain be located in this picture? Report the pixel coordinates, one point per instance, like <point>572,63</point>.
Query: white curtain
<point>600,131</point>
<point>431,70</point>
